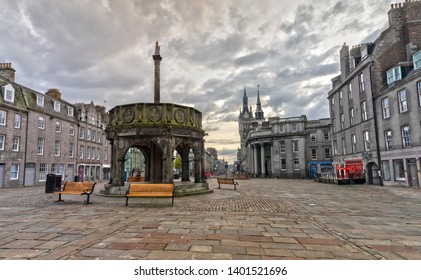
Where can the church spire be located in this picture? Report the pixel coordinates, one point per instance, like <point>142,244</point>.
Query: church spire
<point>245,101</point>
<point>259,112</point>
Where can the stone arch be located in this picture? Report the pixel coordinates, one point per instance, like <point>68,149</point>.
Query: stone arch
<point>373,173</point>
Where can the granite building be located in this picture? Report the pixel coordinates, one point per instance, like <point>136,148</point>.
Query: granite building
<point>291,147</point>
<point>375,105</point>
<point>40,135</point>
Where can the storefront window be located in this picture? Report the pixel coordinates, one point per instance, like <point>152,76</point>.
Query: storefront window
<point>399,170</point>
<point>386,170</point>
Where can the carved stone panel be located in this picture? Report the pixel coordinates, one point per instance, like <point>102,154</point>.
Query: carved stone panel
<point>154,114</point>
<point>129,115</point>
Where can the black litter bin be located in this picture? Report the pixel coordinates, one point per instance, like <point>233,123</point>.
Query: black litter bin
<point>76,178</point>
<point>57,186</point>
<point>50,184</point>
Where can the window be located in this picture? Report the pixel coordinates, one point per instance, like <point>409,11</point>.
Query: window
<point>343,146</point>
<point>58,126</point>
<point>388,139</point>
<point>385,108</point>
<point>313,154</point>
<point>40,100</point>
<point>105,153</point>
<point>351,116</point>
<point>335,148</point>
<point>57,148</point>
<point>81,151</point>
<point>9,93</point>
<point>281,128</point>
<point>17,120</point>
<point>3,117</point>
<point>57,106</point>
<point>43,169</point>
<point>403,106</point>
<point>93,153</point>
<point>41,122</point>
<point>283,164</point>
<point>82,132</point>
<point>313,137</point>
<point>88,152</point>
<point>406,138</point>
<point>333,125</point>
<point>70,111</point>
<point>353,143</point>
<point>361,82</point>
<point>416,57</point>
<point>282,148</point>
<point>40,146</point>
<point>399,170</point>
<point>386,170</point>
<point>71,149</point>
<point>2,141</point>
<point>394,74</point>
<point>93,135</point>
<point>327,153</point>
<point>295,146</point>
<point>14,171</point>
<point>15,144</point>
<point>363,111</point>
<point>349,91</point>
<point>296,164</point>
<point>72,130</point>
<point>340,98</point>
<point>89,135</point>
<point>293,127</point>
<point>366,141</point>
<point>326,135</point>
<point>342,123</point>
<point>98,153</point>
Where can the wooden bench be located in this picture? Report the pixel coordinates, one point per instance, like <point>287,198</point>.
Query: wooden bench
<point>150,190</point>
<point>77,188</point>
<point>228,181</point>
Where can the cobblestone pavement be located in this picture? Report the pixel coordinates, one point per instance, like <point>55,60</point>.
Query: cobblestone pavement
<point>263,219</point>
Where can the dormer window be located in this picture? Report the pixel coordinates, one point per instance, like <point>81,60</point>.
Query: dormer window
<point>70,111</point>
<point>56,106</point>
<point>394,75</point>
<point>40,100</point>
<point>9,93</point>
<point>417,60</point>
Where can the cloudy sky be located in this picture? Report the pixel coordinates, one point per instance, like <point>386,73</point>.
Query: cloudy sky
<point>102,51</point>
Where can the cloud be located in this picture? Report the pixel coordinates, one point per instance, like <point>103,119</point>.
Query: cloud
<point>102,51</point>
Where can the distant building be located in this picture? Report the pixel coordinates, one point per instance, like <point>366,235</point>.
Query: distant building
<point>291,147</point>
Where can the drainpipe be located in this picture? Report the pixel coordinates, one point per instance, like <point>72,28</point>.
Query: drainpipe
<point>376,127</point>
<point>26,148</point>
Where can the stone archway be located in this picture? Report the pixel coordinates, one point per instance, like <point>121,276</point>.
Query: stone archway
<point>373,173</point>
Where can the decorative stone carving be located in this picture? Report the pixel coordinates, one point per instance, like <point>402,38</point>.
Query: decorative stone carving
<point>129,115</point>
<point>154,114</point>
<point>180,116</point>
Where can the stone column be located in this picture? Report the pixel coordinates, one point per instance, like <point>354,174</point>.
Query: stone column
<point>157,61</point>
<point>255,165</point>
<point>262,158</point>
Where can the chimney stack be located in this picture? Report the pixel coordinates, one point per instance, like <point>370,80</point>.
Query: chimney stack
<point>157,60</point>
<point>344,57</point>
<point>54,93</point>
<point>7,71</point>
